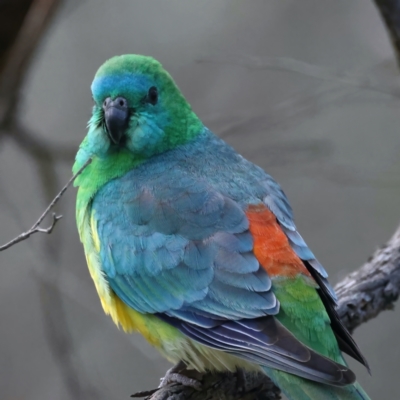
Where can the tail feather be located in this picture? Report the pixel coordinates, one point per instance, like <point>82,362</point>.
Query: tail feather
<point>296,388</point>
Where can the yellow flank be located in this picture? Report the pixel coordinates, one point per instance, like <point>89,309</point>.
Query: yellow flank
<point>173,344</point>
<point>122,315</point>
<point>169,340</point>
<point>88,238</point>
<point>95,235</point>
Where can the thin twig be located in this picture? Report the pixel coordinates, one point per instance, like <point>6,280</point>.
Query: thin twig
<point>36,228</point>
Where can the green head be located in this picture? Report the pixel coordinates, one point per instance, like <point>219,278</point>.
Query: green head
<point>138,107</point>
<point>138,112</point>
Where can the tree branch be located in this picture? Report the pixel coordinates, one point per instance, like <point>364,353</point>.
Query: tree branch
<point>218,387</point>
<point>390,12</point>
<point>36,226</point>
<point>372,288</point>
<point>19,56</point>
<point>362,295</point>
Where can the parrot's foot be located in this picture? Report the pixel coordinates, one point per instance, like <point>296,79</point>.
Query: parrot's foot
<point>179,374</point>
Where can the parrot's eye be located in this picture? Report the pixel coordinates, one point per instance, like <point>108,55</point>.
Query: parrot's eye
<point>152,96</point>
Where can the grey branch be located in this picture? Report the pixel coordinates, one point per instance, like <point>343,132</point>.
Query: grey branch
<point>35,23</point>
<point>218,387</point>
<point>36,226</point>
<point>389,10</point>
<point>363,294</point>
<point>374,287</point>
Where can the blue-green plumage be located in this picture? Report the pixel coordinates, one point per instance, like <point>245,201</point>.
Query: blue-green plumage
<point>182,233</point>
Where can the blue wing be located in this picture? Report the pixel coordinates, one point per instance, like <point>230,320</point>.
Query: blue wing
<point>180,249</point>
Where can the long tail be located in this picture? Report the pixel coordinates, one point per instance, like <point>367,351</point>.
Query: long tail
<point>296,388</point>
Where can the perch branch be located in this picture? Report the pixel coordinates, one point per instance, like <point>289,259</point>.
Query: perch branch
<point>362,295</point>
<point>36,226</point>
<point>374,287</point>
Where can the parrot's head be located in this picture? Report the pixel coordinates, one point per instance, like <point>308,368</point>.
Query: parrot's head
<point>138,108</point>
<point>138,112</point>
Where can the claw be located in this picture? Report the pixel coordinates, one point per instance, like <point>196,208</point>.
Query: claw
<point>181,379</point>
<point>144,393</point>
<point>179,374</point>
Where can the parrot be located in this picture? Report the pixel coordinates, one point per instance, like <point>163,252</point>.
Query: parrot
<point>194,247</point>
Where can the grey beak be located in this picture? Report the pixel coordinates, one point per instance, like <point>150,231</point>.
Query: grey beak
<point>116,114</point>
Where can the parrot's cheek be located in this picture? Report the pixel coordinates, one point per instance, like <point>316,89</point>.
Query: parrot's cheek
<point>137,140</point>
<point>144,139</point>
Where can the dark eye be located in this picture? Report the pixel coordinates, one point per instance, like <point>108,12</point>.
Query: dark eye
<point>152,96</point>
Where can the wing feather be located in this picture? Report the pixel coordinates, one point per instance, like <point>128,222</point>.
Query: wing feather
<point>183,251</point>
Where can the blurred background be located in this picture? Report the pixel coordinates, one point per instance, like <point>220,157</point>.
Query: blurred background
<point>306,89</point>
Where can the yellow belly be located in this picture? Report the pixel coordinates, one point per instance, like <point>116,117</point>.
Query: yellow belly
<point>172,343</point>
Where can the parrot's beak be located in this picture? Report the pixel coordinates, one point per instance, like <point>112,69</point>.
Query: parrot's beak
<point>116,115</point>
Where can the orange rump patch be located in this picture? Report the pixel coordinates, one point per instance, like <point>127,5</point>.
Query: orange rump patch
<point>271,246</point>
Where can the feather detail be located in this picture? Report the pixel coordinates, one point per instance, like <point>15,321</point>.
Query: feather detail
<point>271,245</point>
